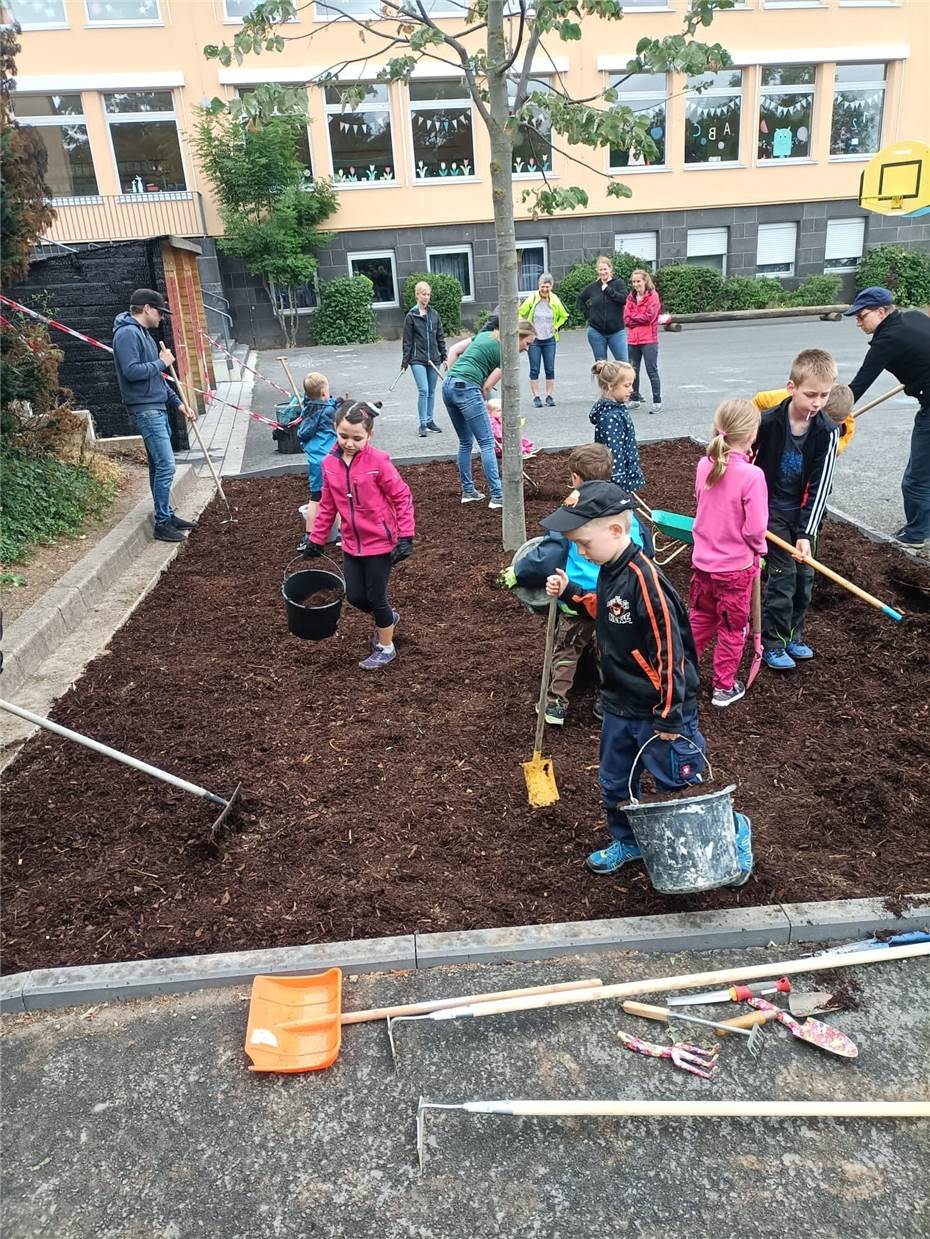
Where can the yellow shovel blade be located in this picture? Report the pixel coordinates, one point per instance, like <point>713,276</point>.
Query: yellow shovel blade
<point>540,781</point>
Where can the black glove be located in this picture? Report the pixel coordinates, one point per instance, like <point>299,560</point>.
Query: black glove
<point>403,550</point>
<point>312,550</point>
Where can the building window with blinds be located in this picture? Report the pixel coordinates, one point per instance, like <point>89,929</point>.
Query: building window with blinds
<point>646,94</point>
<point>707,247</point>
<point>775,249</point>
<point>845,242</point>
<point>454,260</point>
<point>532,261</point>
<point>712,117</point>
<point>440,117</point>
<point>59,122</point>
<point>786,112</point>
<point>641,245</point>
<point>146,145</point>
<point>360,140</point>
<point>858,102</point>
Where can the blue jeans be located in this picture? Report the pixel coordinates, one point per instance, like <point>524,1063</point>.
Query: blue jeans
<point>542,351</point>
<point>425,378</point>
<point>468,414</point>
<point>915,485</point>
<point>672,763</point>
<point>600,343</point>
<point>155,429</point>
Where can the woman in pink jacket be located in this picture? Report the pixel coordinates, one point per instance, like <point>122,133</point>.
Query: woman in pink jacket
<point>729,539</point>
<point>376,510</point>
<point>641,316</point>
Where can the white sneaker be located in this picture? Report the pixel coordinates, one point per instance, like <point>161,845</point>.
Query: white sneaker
<point>472,496</point>
<point>656,407</point>
<point>726,696</point>
<point>495,504</point>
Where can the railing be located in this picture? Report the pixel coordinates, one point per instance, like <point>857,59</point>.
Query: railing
<point>127,217</point>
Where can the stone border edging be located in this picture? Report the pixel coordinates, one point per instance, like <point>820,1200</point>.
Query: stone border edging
<point>725,929</point>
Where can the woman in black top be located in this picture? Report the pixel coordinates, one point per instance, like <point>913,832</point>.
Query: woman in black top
<point>602,305</point>
<point>424,352</point>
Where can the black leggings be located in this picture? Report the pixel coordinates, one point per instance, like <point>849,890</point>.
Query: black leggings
<point>366,585</point>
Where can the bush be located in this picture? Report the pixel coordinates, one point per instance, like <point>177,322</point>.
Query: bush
<point>690,290</point>
<point>742,292</point>
<point>905,272</point>
<point>446,299</point>
<point>41,497</point>
<point>345,315</point>
<point>817,290</point>
<point>584,273</point>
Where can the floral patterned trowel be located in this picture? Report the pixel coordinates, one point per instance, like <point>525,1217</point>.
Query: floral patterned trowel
<point>823,1036</point>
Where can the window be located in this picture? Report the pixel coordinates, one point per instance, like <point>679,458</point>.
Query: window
<point>304,297</point>
<point>775,249</point>
<point>59,122</point>
<point>122,12</point>
<point>532,261</point>
<point>34,14</point>
<point>858,99</point>
<point>379,267</point>
<point>303,142</point>
<point>365,10</point>
<point>644,245</point>
<point>646,94</point>
<point>845,239</point>
<point>712,128</point>
<point>440,116</point>
<point>145,140</point>
<point>360,141</point>
<point>707,247</point>
<point>786,111</point>
<point>236,10</point>
<point>532,143</point>
<point>457,262</point>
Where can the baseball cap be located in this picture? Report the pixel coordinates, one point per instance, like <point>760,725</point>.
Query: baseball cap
<point>587,503</point>
<point>870,299</point>
<point>148,296</point>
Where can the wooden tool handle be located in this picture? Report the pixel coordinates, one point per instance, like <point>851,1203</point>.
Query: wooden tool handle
<point>547,669</point>
<point>756,604</point>
<point>746,1021</point>
<point>290,378</point>
<point>714,1109</point>
<point>646,1011</point>
<point>881,399</point>
<point>835,576</point>
<point>443,1004</point>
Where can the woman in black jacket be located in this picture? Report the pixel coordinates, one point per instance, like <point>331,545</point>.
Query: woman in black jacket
<point>424,352</point>
<point>602,305</point>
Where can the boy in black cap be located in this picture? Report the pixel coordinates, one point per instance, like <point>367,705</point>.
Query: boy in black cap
<point>649,667</point>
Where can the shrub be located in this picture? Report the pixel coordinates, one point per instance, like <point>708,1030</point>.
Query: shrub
<point>584,273</point>
<point>480,319</point>
<point>446,299</point>
<point>43,497</point>
<point>743,292</point>
<point>690,290</point>
<point>905,272</point>
<point>817,290</point>
<point>345,315</point>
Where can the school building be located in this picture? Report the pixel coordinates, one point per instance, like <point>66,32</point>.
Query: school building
<point>759,173</point>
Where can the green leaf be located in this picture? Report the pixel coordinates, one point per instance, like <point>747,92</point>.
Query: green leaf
<point>618,190</point>
<point>225,56</point>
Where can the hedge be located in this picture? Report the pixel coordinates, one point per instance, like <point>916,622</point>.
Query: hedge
<point>690,290</point>
<point>41,498</point>
<point>905,272</point>
<point>345,315</point>
<point>446,299</point>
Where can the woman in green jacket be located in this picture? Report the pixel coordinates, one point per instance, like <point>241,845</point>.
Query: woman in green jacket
<point>547,314</point>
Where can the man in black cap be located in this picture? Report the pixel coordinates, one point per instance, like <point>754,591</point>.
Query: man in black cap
<point>648,663</point>
<point>140,369</point>
<point>900,344</point>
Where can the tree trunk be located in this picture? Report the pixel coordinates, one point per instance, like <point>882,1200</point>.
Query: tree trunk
<point>502,196</point>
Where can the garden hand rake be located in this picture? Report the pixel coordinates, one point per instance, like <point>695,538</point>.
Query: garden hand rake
<point>692,1058</point>
<point>755,1043</point>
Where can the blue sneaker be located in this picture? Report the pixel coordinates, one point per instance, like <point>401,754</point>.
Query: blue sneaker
<point>778,660</point>
<point>609,860</point>
<point>395,620</point>
<point>743,848</point>
<point>799,651</point>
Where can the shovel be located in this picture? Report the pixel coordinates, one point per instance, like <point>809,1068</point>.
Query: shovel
<point>290,378</point>
<point>538,771</point>
<point>823,1036</point>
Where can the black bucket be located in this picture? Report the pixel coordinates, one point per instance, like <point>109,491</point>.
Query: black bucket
<point>311,623</point>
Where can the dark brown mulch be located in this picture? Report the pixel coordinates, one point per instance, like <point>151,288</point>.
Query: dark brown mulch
<point>395,802</point>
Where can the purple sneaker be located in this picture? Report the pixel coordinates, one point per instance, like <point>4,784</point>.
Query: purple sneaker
<point>374,635</point>
<point>377,659</point>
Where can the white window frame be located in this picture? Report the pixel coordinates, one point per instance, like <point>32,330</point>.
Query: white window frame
<point>336,109</point>
<point>301,309</point>
<point>621,248</point>
<point>532,244</point>
<point>694,235</point>
<point>848,221</point>
<point>432,250</point>
<point>57,25</point>
<point>389,255</point>
<point>630,99</point>
<point>130,118</point>
<point>773,231</point>
<point>440,105</point>
<point>237,21</point>
<point>61,122</point>
<point>730,91</point>
<point>371,12</point>
<point>786,90</point>
<point>865,156</point>
<point>104,23</point>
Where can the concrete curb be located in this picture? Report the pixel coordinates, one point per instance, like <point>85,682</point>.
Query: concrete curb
<point>688,931</point>
<point>36,633</point>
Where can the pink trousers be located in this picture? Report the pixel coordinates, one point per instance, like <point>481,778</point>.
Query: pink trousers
<point>719,607</point>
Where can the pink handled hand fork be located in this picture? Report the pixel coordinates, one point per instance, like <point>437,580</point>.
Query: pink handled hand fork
<point>691,1058</point>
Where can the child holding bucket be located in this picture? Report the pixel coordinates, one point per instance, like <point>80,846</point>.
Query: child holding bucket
<point>648,666</point>
<point>729,540</point>
<point>363,486</point>
<point>612,423</point>
<point>316,436</point>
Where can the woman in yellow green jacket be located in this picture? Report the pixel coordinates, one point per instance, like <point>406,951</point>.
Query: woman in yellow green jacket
<point>547,314</point>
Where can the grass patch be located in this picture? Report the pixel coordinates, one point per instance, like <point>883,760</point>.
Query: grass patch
<point>42,498</point>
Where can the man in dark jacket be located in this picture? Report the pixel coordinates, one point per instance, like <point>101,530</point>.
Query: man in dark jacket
<point>602,302</point>
<point>900,344</point>
<point>140,368</point>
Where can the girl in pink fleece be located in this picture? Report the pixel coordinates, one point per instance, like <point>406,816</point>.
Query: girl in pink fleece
<point>376,510</point>
<point>729,538</point>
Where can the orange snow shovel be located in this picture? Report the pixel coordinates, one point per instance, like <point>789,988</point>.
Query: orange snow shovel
<point>538,771</point>
<point>295,1023</point>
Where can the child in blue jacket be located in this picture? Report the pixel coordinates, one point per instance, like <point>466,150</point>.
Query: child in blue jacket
<point>317,437</point>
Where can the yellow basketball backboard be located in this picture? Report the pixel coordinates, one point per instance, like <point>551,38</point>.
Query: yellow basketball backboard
<point>896,181</point>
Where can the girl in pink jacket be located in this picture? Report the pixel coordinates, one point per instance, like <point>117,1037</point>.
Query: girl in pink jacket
<point>641,316</point>
<point>376,510</point>
<point>729,538</point>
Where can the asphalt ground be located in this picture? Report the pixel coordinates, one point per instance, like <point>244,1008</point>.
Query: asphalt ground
<point>142,1121</point>
<point>699,366</point>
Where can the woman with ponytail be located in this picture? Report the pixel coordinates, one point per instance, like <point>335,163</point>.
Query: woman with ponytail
<point>729,539</point>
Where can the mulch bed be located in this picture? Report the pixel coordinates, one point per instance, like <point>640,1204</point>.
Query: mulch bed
<point>394,802</point>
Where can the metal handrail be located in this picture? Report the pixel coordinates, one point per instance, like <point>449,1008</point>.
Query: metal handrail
<point>208,293</point>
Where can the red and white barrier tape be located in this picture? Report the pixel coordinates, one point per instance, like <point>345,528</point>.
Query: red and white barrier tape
<point>220,349</point>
